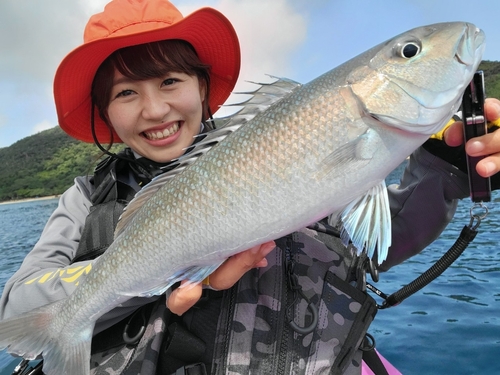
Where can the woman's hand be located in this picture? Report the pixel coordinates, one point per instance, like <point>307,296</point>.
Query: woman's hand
<point>224,277</point>
<point>488,144</point>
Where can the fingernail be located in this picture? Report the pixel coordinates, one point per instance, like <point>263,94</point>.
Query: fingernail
<point>264,250</point>
<point>496,106</point>
<point>268,248</point>
<point>475,147</point>
<point>489,167</point>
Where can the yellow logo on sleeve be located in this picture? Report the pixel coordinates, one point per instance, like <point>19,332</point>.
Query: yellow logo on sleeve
<point>69,275</point>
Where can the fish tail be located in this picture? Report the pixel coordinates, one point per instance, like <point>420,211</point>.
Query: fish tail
<point>31,334</point>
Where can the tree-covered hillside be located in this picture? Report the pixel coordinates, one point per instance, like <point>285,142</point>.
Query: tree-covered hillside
<point>43,164</point>
<point>491,78</point>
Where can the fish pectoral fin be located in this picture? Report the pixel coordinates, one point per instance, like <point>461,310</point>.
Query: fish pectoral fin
<point>366,222</point>
<point>193,275</point>
<point>353,155</point>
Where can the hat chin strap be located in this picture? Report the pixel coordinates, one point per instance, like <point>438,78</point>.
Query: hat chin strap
<point>106,151</point>
<point>94,135</point>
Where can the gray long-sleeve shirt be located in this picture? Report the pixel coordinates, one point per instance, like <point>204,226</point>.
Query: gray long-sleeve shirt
<point>421,206</point>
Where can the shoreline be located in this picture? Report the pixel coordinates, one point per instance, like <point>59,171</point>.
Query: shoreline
<point>29,199</point>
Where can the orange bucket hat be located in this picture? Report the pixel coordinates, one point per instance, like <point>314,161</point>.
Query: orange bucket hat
<point>125,23</point>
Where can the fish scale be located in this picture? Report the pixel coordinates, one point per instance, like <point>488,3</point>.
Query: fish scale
<point>294,155</point>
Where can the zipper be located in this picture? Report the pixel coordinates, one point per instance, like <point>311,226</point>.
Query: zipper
<point>283,356</point>
<point>227,331</point>
<point>292,295</point>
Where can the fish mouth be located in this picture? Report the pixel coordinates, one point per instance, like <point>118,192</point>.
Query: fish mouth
<point>162,133</point>
<point>470,45</point>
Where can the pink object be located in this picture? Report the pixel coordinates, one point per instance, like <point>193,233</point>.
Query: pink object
<point>391,370</point>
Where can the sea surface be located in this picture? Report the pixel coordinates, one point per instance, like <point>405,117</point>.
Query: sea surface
<point>452,326</point>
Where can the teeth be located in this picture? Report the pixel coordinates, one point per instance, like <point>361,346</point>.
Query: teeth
<point>155,135</point>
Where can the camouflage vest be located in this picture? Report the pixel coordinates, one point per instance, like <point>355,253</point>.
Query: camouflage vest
<point>247,329</point>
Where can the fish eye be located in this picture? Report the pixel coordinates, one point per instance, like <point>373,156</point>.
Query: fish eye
<point>409,50</point>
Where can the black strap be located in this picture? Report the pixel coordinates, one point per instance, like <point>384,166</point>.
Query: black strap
<point>98,232</point>
<point>362,321</point>
<point>183,345</point>
<point>180,349</point>
<point>194,369</point>
<point>373,361</point>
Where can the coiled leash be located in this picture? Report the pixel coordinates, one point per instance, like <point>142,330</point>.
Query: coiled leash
<point>467,235</point>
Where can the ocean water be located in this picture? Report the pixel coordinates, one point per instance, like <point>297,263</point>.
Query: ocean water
<point>450,327</point>
<point>20,227</point>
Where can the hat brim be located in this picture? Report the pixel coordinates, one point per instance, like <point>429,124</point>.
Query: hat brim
<point>207,30</point>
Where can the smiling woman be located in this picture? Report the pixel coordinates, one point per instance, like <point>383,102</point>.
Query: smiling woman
<point>158,118</point>
<point>154,104</point>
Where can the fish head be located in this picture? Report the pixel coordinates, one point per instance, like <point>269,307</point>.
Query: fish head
<point>416,80</point>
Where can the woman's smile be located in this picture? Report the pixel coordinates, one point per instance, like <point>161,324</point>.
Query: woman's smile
<point>159,117</point>
<point>159,134</point>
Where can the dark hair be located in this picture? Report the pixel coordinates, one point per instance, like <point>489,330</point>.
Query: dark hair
<point>145,61</point>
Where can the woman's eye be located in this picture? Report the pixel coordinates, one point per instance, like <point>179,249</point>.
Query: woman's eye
<point>124,93</point>
<point>169,81</point>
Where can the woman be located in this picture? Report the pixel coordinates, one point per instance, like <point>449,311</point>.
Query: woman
<point>151,79</point>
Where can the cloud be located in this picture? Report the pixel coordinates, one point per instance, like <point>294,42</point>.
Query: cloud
<point>41,126</point>
<point>37,35</point>
<point>269,32</point>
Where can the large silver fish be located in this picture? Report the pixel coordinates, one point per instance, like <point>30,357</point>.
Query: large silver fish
<point>322,148</point>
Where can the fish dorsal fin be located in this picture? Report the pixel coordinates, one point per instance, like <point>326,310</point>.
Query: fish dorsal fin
<point>366,222</point>
<point>261,99</point>
<point>266,95</point>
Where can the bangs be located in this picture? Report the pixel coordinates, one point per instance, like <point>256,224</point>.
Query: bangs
<point>154,60</point>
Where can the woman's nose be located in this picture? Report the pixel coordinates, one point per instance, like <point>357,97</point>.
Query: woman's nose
<point>155,107</point>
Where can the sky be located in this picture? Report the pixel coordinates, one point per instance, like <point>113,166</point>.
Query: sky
<point>296,39</point>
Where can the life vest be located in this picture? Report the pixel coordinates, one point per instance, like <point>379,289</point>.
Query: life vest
<point>116,181</point>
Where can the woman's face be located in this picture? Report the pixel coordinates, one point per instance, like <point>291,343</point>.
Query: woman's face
<point>158,117</point>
